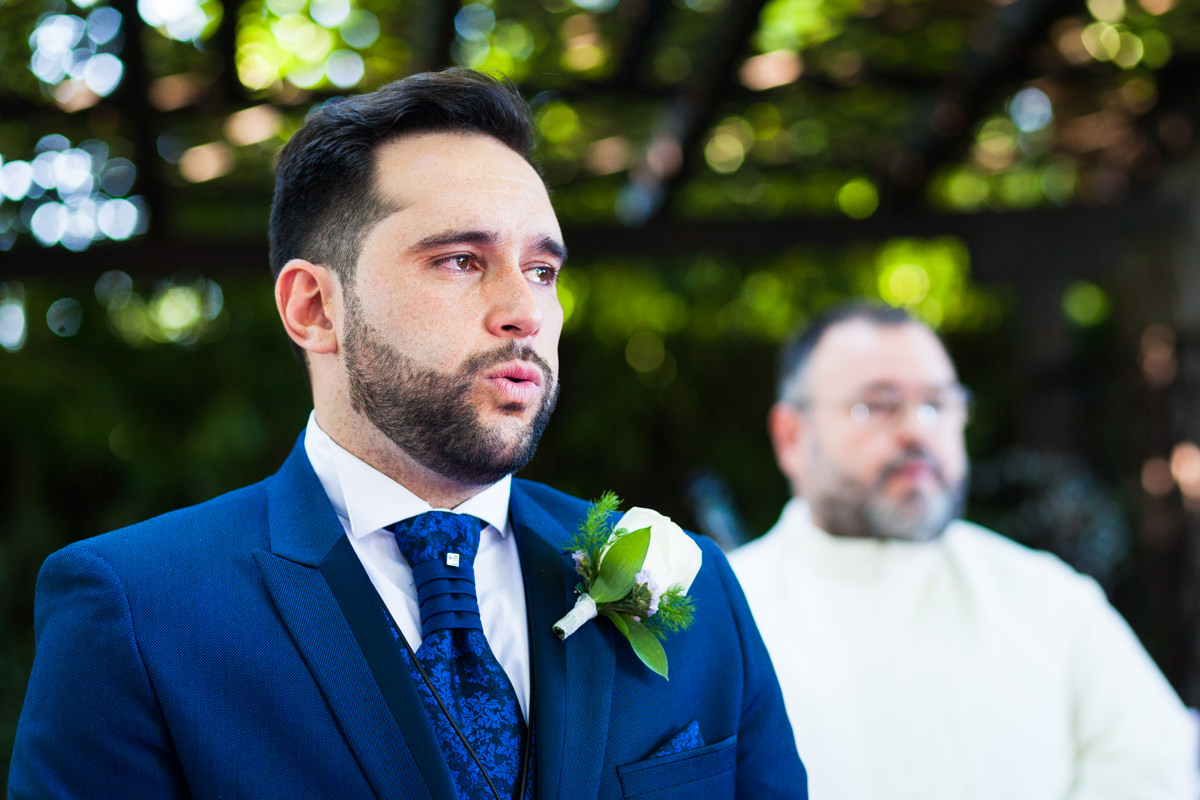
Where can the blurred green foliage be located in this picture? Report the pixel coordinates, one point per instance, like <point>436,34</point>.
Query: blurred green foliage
<point>156,395</point>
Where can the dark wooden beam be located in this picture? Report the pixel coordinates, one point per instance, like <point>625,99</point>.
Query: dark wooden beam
<point>224,43</point>
<point>1039,246</point>
<point>944,120</point>
<point>432,34</point>
<point>675,143</point>
<point>139,119</point>
<point>647,24</point>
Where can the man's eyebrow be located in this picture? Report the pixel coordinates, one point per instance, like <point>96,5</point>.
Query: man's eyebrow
<point>456,237</point>
<point>879,386</point>
<point>541,244</point>
<point>548,244</point>
<point>891,386</point>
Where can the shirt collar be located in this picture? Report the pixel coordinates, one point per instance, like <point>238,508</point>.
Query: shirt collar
<point>366,500</point>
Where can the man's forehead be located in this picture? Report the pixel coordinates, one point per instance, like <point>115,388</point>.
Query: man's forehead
<point>867,352</point>
<point>462,174</point>
<point>475,157</point>
<point>447,187</point>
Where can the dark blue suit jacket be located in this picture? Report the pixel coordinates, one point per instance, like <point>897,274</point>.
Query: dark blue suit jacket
<point>235,650</point>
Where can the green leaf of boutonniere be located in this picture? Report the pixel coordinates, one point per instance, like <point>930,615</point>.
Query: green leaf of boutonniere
<point>620,566</point>
<point>646,645</point>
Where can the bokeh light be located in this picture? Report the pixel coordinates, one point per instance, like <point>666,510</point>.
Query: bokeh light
<point>252,125</point>
<point>1185,469</point>
<point>71,196</point>
<point>645,351</point>
<point>181,20</point>
<point>184,310</point>
<point>799,24</point>
<point>65,316</point>
<point>310,45</point>
<point>583,48</point>
<point>12,316</point>
<point>858,198</point>
<point>769,70</point>
<point>1085,304</point>
<point>1031,110</point>
<point>76,58</point>
<point>724,152</point>
<point>1157,479</point>
<point>931,278</point>
<point>206,162</point>
<point>1157,356</point>
<point>728,145</point>
<point>474,22</point>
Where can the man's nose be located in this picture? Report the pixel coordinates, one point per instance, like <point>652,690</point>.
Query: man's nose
<point>916,422</point>
<point>514,310</point>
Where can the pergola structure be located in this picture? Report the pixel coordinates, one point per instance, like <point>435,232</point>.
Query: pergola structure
<point>1055,139</point>
<point>658,114</point>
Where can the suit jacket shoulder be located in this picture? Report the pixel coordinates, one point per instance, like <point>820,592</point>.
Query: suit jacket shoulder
<point>232,521</point>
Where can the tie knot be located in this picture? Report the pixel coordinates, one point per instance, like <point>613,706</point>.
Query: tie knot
<point>440,547</point>
<point>438,535</point>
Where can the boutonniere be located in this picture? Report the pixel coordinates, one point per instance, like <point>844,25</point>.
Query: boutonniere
<point>636,574</point>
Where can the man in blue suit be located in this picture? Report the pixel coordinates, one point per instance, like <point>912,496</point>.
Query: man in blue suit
<point>268,643</point>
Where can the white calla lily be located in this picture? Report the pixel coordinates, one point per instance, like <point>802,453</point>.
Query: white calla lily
<point>673,558</point>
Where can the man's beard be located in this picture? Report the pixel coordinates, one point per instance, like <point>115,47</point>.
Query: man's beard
<point>428,414</point>
<point>856,509</point>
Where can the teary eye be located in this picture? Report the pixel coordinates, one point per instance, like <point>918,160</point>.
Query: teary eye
<point>544,274</point>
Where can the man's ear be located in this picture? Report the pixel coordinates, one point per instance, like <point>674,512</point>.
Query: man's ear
<point>787,427</point>
<point>306,296</point>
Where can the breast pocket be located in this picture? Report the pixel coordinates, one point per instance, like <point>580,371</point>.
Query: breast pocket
<point>706,773</point>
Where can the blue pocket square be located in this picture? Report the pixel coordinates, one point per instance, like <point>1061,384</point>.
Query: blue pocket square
<point>687,739</point>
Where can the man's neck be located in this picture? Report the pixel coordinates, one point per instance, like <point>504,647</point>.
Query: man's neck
<point>379,452</point>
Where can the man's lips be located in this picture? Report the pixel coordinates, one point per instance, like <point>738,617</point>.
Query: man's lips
<point>516,372</point>
<point>517,382</point>
<point>914,469</point>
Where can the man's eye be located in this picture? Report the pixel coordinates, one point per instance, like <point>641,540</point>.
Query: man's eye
<point>544,274</point>
<point>884,407</point>
<point>459,262</point>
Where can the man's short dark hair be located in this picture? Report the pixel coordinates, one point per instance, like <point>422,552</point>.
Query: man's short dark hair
<point>797,351</point>
<point>325,194</point>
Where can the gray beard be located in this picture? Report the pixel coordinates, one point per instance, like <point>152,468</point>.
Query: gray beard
<point>427,413</point>
<point>858,510</point>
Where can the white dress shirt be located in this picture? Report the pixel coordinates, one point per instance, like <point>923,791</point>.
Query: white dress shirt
<point>366,501</point>
<point>968,668</point>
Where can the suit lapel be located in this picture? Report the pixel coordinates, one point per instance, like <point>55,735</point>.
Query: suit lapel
<point>332,612</point>
<point>572,679</point>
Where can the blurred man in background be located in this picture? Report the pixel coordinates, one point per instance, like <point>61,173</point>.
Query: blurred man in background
<point>922,656</point>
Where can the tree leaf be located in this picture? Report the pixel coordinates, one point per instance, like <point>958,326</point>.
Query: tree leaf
<point>620,566</point>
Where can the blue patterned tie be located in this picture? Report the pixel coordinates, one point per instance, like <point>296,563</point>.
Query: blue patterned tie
<point>468,682</point>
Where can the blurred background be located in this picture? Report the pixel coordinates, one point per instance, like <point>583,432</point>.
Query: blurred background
<point>1020,173</point>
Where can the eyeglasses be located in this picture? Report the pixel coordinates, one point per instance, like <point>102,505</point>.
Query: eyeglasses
<point>944,407</point>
